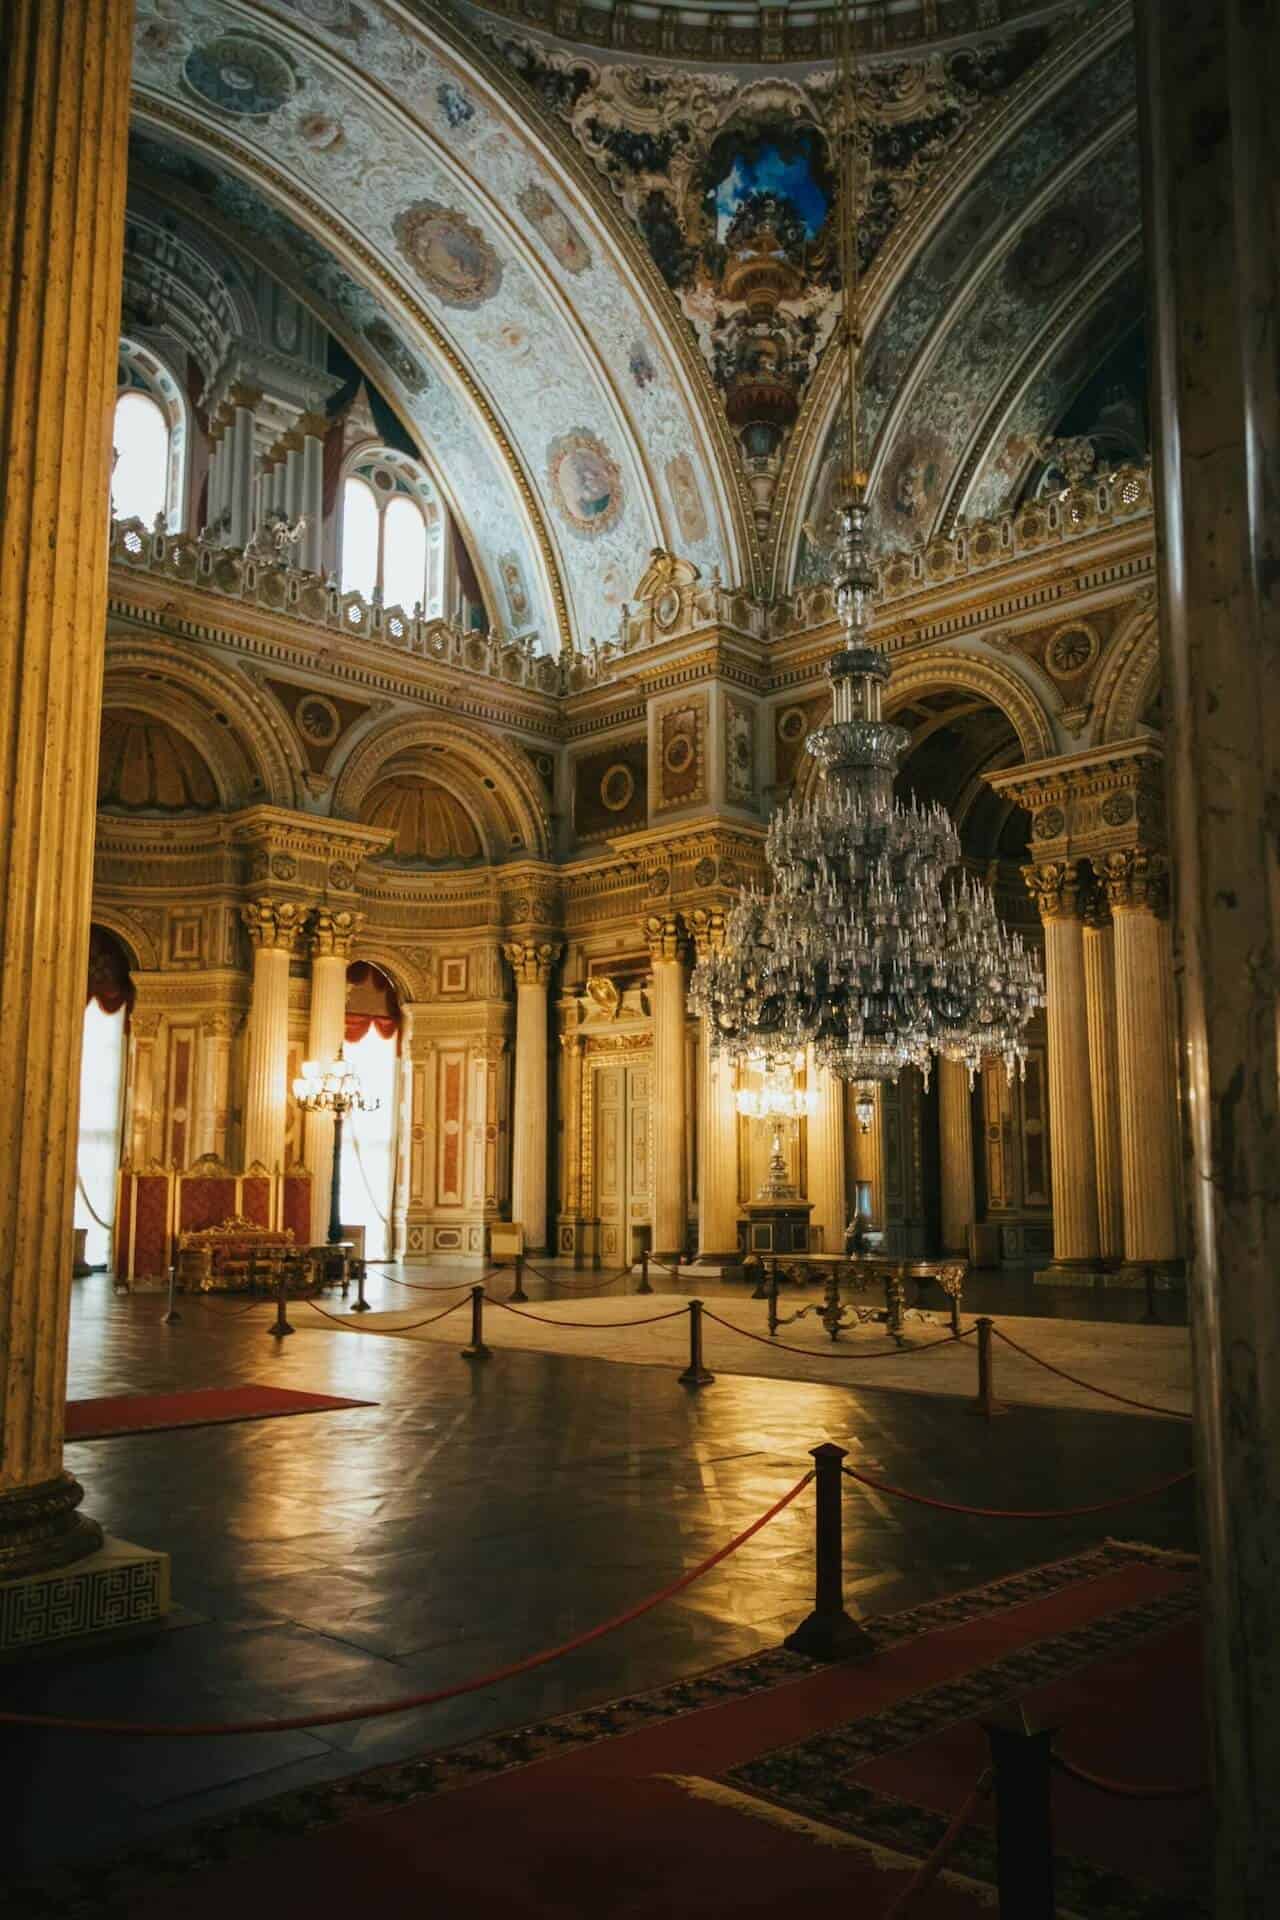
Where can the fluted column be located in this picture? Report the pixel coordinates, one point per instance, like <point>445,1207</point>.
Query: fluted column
<point>311,429</point>
<point>868,1152</point>
<point>1056,890</point>
<point>668,950</point>
<point>531,963</point>
<point>215,1084</point>
<point>1136,883</point>
<point>825,1127</point>
<point>331,936</point>
<point>718,1132</point>
<point>1100,997</point>
<point>404,1139</point>
<point>955,1126</point>
<point>274,928</point>
<point>65,83</point>
<point>238,451</point>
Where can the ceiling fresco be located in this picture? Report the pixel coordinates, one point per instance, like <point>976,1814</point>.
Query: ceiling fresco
<point>1057,202</point>
<point>430,187</point>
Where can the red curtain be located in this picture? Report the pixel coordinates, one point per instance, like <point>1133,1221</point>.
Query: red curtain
<point>371,1002</point>
<point>109,983</point>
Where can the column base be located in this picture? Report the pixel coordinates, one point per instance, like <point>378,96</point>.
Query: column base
<point>116,1586</point>
<point>1073,1273</point>
<point>1164,1276</point>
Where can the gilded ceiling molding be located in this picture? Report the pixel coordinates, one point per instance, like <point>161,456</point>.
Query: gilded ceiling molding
<point>478,756</point>
<point>1004,688</point>
<point>457,34</point>
<point>231,767</point>
<point>300,204</point>
<point>275,755</point>
<point>1129,675</point>
<point>982,141</point>
<point>139,941</point>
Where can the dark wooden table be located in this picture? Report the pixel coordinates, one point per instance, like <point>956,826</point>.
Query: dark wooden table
<point>856,1274</point>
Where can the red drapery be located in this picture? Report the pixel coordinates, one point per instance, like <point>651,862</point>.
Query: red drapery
<point>109,983</point>
<point>371,1002</point>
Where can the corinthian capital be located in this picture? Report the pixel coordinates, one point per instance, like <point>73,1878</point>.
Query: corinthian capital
<point>1055,888</point>
<point>1136,880</point>
<point>706,924</point>
<point>333,930</point>
<point>274,923</point>
<point>531,961</point>
<point>666,937</point>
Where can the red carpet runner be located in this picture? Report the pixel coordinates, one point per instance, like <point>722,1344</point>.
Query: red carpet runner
<point>766,1787</point>
<point>206,1407</point>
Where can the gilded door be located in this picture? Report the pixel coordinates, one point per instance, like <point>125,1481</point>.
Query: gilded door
<point>622,1171</point>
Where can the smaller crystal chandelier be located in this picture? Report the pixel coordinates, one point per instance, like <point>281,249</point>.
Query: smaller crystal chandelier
<point>780,1101</point>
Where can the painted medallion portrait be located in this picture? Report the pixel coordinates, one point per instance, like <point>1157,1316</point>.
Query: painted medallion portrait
<point>448,253</point>
<point>555,228</point>
<point>585,482</point>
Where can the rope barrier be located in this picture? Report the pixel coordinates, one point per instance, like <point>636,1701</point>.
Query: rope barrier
<point>824,1353</point>
<point>928,1870</point>
<point>224,1313</point>
<point>599,1326</point>
<point>1022,1513</point>
<point>577,1286</point>
<point>1126,1789</point>
<point>420,1286</point>
<point>106,1225</point>
<point>1144,1405</point>
<point>386,1333</point>
<point>299,1723</point>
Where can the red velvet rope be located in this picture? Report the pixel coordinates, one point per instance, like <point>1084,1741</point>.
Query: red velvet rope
<point>1021,1513</point>
<point>224,1313</point>
<point>577,1286</point>
<point>928,1870</point>
<point>388,1333</point>
<point>426,1286</point>
<point>821,1353</point>
<point>598,1326</point>
<point>1126,1789</point>
<point>1076,1381</point>
<point>300,1722</point>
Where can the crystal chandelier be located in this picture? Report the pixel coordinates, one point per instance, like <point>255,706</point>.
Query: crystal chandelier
<point>869,948</point>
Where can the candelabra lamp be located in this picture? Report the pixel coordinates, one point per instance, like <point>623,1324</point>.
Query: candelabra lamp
<point>330,1086</point>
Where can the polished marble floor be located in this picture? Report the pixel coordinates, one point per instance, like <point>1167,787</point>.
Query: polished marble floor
<point>478,1513</point>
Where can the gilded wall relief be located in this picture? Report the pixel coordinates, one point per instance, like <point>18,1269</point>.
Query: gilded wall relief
<point>584,480</point>
<point>682,773</point>
<point>610,789</point>
<point>739,751</point>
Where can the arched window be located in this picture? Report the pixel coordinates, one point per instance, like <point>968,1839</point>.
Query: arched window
<point>140,477</point>
<point>392,533</point>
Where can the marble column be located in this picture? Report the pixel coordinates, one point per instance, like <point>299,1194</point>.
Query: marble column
<point>827,1184</point>
<point>216,1031</point>
<point>718,1131</point>
<point>238,452</point>
<point>140,1143</point>
<point>868,1151</point>
<point>531,964</point>
<point>311,430</point>
<point>1211,159</point>
<point>1056,890</point>
<point>331,936</point>
<point>668,950</point>
<point>274,929</point>
<point>65,87</point>
<point>1136,883</point>
<point>404,1139</point>
<point>1100,998</point>
<point>955,1127</point>
<point>572,1206</point>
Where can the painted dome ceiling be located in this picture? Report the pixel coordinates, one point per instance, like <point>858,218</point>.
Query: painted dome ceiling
<point>431,826</point>
<point>147,766</point>
<point>602,293</point>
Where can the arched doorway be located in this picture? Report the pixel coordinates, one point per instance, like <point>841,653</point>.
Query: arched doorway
<point>371,1047</point>
<point>108,998</point>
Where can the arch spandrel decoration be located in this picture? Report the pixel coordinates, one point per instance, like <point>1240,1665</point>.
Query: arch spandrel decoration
<point>495,782</point>
<point>448,205</point>
<point>1127,678</point>
<point>142,949</point>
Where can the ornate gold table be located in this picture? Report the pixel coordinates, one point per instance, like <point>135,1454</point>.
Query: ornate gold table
<point>856,1273</point>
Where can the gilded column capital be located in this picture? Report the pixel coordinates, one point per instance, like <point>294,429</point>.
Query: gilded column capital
<point>333,930</point>
<point>707,925</point>
<point>1095,908</point>
<point>1135,880</point>
<point>666,937</point>
<point>274,923</point>
<point>531,961</point>
<point>1055,888</point>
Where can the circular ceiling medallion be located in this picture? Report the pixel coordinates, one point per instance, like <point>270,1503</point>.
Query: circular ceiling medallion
<point>319,721</point>
<point>679,753</point>
<point>666,608</point>
<point>793,723</point>
<point>1071,650</point>
<point>585,482</point>
<point>240,74</point>
<point>617,787</point>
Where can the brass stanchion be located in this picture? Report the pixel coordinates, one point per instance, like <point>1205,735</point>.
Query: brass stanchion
<point>644,1286</point>
<point>772,1297</point>
<point>828,1633</point>
<point>894,1300</point>
<point>172,1316</point>
<point>281,1327</point>
<point>477,1349</point>
<point>517,1292</point>
<point>986,1403</point>
<point>762,1285</point>
<point>695,1374</point>
<point>1022,1757</point>
<point>360,1304</point>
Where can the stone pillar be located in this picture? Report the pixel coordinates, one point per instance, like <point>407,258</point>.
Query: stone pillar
<point>955,1127</point>
<point>238,452</point>
<point>65,86</point>
<point>1211,150</point>
<point>274,927</point>
<point>531,964</point>
<point>1100,997</point>
<point>572,1204</point>
<point>404,1139</point>
<point>312,428</point>
<point>718,1131</point>
<point>668,950</point>
<point>1136,884</point>
<point>868,1150</point>
<point>140,1097</point>
<point>215,1084</point>
<point>1056,890</point>
<point>331,937</point>
<point>826,1158</point>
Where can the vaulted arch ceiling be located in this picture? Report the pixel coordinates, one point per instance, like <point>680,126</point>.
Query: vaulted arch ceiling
<point>512,316</point>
